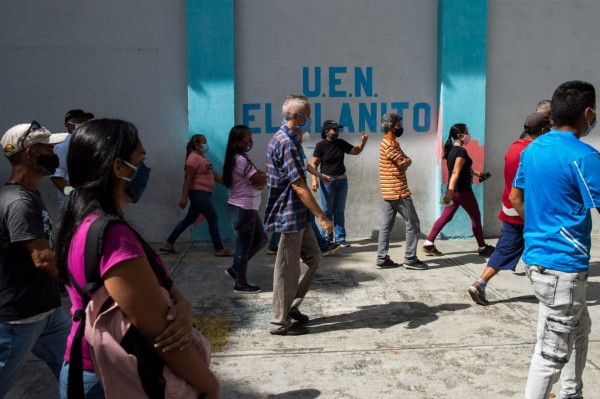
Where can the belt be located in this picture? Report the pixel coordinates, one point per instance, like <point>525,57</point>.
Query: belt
<point>338,177</point>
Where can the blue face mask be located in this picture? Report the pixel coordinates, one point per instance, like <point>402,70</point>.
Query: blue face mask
<point>204,148</point>
<point>137,183</point>
<point>304,128</point>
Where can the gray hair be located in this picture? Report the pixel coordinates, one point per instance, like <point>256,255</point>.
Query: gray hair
<point>544,106</point>
<point>294,103</point>
<point>388,121</point>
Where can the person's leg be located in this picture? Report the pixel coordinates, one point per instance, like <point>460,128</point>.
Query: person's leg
<point>50,346</point>
<point>311,257</point>
<point>273,242</point>
<point>208,210</point>
<point>92,388</point>
<point>259,237</point>
<point>285,279</point>
<point>445,218</point>
<point>469,203</point>
<point>406,208</point>
<point>561,309</point>
<point>243,240</point>
<point>192,214</point>
<point>339,207</point>
<point>386,224</point>
<point>327,194</point>
<point>508,251</point>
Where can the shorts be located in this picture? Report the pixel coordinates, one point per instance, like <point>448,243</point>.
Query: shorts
<point>509,248</point>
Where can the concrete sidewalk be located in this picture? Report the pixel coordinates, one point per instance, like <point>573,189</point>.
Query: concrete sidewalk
<point>391,333</point>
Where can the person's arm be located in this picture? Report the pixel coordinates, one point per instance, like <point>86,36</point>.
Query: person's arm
<point>59,182</point>
<point>180,323</point>
<point>310,169</point>
<point>308,200</point>
<point>133,285</point>
<point>315,162</point>
<point>359,148</point>
<point>258,179</point>
<point>190,172</point>
<point>476,173</point>
<point>218,178</point>
<point>42,256</point>
<point>458,164</point>
<point>395,155</point>
<point>517,199</point>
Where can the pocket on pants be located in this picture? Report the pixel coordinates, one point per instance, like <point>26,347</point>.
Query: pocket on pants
<point>557,339</point>
<point>544,287</point>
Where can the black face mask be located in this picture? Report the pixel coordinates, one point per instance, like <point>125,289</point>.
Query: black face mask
<point>48,161</point>
<point>398,131</point>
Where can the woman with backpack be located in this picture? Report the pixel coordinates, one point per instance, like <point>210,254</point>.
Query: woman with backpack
<point>107,171</point>
<point>245,183</point>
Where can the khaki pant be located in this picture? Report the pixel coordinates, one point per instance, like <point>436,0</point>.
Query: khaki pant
<point>291,278</point>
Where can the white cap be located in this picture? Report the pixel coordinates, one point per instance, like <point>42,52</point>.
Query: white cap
<point>24,135</point>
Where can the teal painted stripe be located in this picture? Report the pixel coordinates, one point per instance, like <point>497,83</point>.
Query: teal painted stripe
<point>211,89</point>
<point>462,52</point>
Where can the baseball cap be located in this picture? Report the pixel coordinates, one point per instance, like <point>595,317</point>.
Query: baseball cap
<point>78,113</point>
<point>24,135</point>
<point>329,124</point>
<point>535,122</point>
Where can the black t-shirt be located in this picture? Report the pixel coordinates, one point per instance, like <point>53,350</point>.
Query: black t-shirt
<point>25,291</point>
<point>332,156</point>
<point>465,178</point>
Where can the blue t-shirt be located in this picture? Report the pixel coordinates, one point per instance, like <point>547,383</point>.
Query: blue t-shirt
<point>560,176</point>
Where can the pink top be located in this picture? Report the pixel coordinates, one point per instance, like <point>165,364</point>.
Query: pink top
<point>120,244</point>
<point>241,192</point>
<point>204,179</point>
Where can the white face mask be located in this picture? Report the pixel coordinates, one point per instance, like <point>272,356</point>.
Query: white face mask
<point>466,138</point>
<point>590,127</point>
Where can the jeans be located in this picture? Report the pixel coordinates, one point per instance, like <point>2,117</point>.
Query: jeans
<point>47,339</point>
<point>406,208</point>
<point>562,333</point>
<point>92,388</point>
<point>200,203</point>
<point>333,202</point>
<point>323,243</point>
<point>250,237</point>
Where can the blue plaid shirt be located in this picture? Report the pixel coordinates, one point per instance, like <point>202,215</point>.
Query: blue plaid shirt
<point>285,212</point>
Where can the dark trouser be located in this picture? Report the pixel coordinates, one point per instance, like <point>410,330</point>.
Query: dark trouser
<point>250,237</point>
<point>468,201</point>
<point>200,203</point>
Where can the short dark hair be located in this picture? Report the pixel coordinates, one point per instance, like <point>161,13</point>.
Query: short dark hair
<point>570,99</point>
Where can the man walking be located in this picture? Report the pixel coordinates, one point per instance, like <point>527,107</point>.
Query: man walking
<point>393,163</point>
<point>31,317</point>
<point>286,212</point>
<point>510,244</point>
<point>556,186</point>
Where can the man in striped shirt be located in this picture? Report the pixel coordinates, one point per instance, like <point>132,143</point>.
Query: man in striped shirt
<point>393,163</point>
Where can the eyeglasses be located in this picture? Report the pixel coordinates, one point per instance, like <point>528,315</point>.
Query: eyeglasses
<point>32,128</point>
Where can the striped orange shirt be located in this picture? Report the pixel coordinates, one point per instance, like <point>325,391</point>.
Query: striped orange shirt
<point>392,176</point>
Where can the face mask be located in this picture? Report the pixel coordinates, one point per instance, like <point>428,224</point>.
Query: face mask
<point>398,131</point>
<point>466,138</point>
<point>205,148</point>
<point>137,183</point>
<point>306,127</point>
<point>333,136</point>
<point>590,127</point>
<point>47,161</point>
<point>248,146</point>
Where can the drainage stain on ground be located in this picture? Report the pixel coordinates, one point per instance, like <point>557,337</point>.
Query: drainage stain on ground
<point>215,329</point>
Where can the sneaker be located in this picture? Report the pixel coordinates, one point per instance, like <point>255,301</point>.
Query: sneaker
<point>343,243</point>
<point>387,264</point>
<point>231,273</point>
<point>295,329</point>
<point>487,251</point>
<point>431,250</point>
<point>271,251</point>
<point>331,248</point>
<point>416,265</point>
<point>246,289</point>
<point>298,316</point>
<point>477,292</point>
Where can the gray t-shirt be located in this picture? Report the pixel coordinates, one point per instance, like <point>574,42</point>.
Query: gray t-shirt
<point>25,291</point>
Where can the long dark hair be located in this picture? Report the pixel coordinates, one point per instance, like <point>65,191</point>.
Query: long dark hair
<point>92,151</point>
<point>236,134</point>
<point>195,141</point>
<point>455,130</point>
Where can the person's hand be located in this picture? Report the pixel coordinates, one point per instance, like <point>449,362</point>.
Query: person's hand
<point>45,260</point>
<point>448,196</point>
<point>326,224</point>
<point>326,179</point>
<point>364,137</point>
<point>179,331</point>
<point>315,186</point>
<point>183,203</point>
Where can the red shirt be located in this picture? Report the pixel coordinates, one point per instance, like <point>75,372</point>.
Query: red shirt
<point>511,164</point>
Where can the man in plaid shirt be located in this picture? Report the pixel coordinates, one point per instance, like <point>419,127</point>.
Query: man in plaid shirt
<point>286,213</point>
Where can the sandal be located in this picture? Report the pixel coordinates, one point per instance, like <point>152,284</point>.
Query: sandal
<point>168,248</point>
<point>225,253</point>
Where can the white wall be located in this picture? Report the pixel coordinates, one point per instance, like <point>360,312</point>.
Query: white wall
<point>123,59</point>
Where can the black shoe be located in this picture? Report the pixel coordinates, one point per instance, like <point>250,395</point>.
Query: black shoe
<point>231,273</point>
<point>477,293</point>
<point>246,289</point>
<point>344,243</point>
<point>487,251</point>
<point>416,265</point>
<point>298,316</point>
<point>331,248</point>
<point>295,329</point>
<point>431,250</point>
<point>387,264</point>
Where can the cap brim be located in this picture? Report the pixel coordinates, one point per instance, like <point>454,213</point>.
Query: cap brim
<point>55,138</point>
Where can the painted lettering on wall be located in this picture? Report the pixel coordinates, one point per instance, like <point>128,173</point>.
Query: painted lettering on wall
<point>350,92</point>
